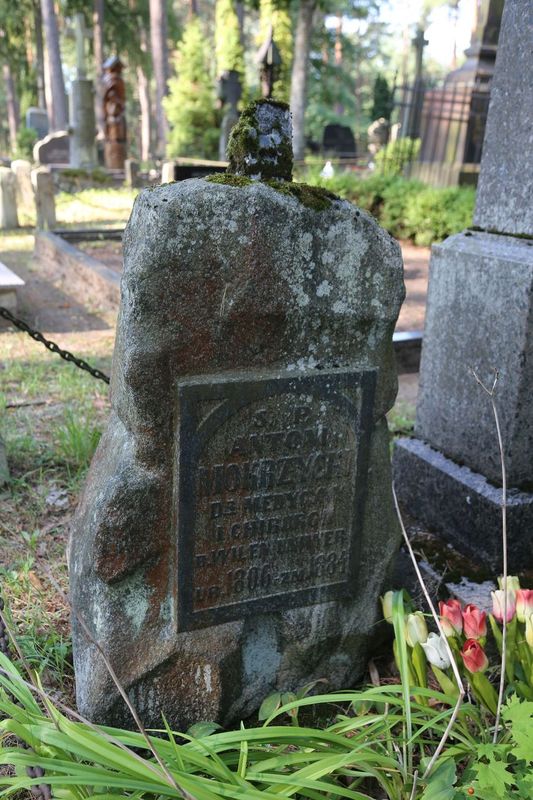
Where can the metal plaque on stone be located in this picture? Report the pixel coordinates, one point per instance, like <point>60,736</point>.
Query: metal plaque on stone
<point>271,477</point>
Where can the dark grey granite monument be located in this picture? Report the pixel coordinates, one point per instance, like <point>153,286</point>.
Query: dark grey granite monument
<point>480,316</point>
<point>237,524</point>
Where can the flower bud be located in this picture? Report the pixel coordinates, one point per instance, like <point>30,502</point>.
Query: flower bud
<point>416,630</point>
<point>475,622</point>
<point>474,656</point>
<point>524,604</point>
<point>386,604</point>
<point>529,630</point>
<point>451,617</point>
<point>436,651</point>
<point>513,584</point>
<point>497,605</point>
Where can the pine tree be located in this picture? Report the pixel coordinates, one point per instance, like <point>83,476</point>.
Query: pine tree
<point>190,105</point>
<point>382,103</point>
<point>229,52</point>
<point>275,14</point>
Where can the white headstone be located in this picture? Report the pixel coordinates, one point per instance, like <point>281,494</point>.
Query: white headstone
<point>45,204</point>
<point>8,199</point>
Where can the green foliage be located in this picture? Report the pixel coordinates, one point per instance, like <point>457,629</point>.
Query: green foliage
<point>190,105</point>
<point>356,756</point>
<point>433,214</point>
<point>382,99</point>
<point>26,138</point>
<point>395,156</point>
<point>229,52</point>
<point>406,208</point>
<point>77,439</point>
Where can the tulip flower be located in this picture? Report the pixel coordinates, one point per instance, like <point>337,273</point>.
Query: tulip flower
<point>513,584</point>
<point>416,630</point>
<point>497,605</point>
<point>386,604</point>
<point>436,651</point>
<point>529,630</point>
<point>524,604</point>
<point>475,622</point>
<point>451,617</point>
<point>474,656</point>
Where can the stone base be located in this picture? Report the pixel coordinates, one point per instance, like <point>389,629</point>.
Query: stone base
<point>463,506</point>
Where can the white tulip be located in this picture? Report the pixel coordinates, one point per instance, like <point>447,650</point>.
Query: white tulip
<point>436,652</point>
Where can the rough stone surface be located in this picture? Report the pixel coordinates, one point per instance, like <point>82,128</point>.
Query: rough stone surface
<point>247,322</point>
<point>504,189</point>
<point>8,199</point>
<point>22,171</point>
<point>45,203</point>
<point>260,144</point>
<point>479,315</point>
<point>463,506</point>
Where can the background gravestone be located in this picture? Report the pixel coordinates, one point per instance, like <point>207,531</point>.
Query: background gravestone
<point>37,118</point>
<point>45,204</point>
<point>22,172</point>
<point>237,524</point>
<point>480,315</point>
<point>8,199</point>
<point>53,149</point>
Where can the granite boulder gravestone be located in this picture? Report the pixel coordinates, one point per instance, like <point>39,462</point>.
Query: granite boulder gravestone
<point>237,524</point>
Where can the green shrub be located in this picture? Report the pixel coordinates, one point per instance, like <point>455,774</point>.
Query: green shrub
<point>394,157</point>
<point>408,209</point>
<point>433,214</point>
<point>26,138</point>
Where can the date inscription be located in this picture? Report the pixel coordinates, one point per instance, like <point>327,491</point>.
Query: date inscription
<point>272,479</point>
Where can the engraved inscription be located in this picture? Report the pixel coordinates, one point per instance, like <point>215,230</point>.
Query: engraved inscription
<point>273,484</point>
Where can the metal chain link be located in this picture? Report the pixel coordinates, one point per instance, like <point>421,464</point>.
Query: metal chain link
<point>52,346</point>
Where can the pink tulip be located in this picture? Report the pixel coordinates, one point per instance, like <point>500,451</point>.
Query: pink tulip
<point>474,656</point>
<point>497,605</point>
<point>475,622</point>
<point>524,604</point>
<point>451,617</point>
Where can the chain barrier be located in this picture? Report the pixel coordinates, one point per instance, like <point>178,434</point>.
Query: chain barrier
<point>52,346</point>
<point>40,791</point>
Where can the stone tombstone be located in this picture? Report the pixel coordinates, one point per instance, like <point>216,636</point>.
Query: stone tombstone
<point>237,523</point>
<point>53,149</point>
<point>45,204</point>
<point>338,140</point>
<point>131,172</point>
<point>480,315</point>
<point>167,172</point>
<point>82,122</point>
<point>22,172</point>
<point>8,199</point>
<point>37,118</point>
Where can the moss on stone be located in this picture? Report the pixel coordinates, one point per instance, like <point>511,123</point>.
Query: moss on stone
<point>238,181</point>
<point>314,197</point>
<point>268,162</point>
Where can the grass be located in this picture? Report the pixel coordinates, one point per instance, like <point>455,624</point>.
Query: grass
<point>94,207</point>
<point>51,415</point>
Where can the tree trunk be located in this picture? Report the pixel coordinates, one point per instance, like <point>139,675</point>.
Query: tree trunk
<point>158,43</point>
<point>12,107</point>
<point>39,53</point>
<point>239,10</point>
<point>98,52</point>
<point>144,102</point>
<point>57,101</point>
<point>300,71</point>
